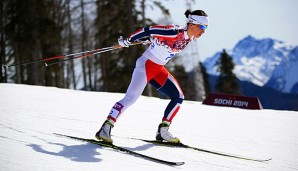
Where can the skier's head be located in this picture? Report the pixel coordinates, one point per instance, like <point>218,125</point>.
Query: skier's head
<point>197,23</point>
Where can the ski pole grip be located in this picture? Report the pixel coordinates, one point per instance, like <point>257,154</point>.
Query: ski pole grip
<point>119,46</point>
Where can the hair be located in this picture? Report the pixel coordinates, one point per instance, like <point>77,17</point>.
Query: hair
<point>196,12</point>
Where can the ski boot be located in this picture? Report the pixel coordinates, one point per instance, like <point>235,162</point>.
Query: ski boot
<point>163,133</point>
<point>104,133</point>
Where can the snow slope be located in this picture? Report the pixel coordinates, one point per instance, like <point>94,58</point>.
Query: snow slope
<point>29,115</point>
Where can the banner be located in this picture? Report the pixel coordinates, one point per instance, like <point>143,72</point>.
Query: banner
<point>229,100</point>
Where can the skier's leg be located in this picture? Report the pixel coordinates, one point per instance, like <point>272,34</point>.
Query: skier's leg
<point>167,84</point>
<point>172,89</point>
<point>134,91</point>
<point>136,87</point>
<point>144,71</point>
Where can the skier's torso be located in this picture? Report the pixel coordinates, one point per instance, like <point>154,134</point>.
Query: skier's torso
<point>166,41</point>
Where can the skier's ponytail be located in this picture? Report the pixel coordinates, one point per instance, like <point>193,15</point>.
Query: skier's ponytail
<point>187,12</point>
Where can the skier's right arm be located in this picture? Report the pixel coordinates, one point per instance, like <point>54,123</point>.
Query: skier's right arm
<point>149,31</point>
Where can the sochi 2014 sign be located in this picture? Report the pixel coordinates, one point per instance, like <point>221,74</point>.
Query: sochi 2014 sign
<point>230,100</point>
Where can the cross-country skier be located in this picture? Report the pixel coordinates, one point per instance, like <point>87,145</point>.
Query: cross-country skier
<point>166,41</point>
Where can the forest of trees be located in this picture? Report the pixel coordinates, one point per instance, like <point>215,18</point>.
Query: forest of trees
<point>32,30</point>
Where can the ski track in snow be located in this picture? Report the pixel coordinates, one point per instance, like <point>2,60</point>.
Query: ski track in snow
<point>29,115</point>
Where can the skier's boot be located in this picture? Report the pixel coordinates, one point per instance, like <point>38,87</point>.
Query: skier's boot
<point>163,133</point>
<point>104,133</point>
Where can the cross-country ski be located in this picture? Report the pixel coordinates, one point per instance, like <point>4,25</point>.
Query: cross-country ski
<point>115,147</point>
<point>181,145</point>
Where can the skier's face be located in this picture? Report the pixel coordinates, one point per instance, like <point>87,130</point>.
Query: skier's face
<point>196,30</point>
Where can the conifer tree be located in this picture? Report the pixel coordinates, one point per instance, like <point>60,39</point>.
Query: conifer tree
<point>33,31</point>
<point>114,21</point>
<point>227,81</point>
<point>2,40</point>
<point>205,78</point>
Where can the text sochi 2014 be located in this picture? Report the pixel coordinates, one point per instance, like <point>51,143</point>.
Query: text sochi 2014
<point>229,102</point>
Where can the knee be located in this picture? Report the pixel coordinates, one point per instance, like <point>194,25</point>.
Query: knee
<point>178,98</point>
<point>181,100</point>
<point>128,101</point>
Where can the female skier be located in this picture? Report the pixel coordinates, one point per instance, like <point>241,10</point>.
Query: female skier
<point>166,41</point>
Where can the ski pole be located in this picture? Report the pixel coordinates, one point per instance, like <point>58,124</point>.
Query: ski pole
<point>76,57</point>
<point>89,54</point>
<point>58,57</point>
<point>64,56</point>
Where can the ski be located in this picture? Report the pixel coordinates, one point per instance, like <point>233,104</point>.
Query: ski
<point>181,145</point>
<point>118,148</point>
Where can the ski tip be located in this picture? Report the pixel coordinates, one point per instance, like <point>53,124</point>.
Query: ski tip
<point>180,163</point>
<point>267,160</point>
<point>261,160</point>
<point>58,134</point>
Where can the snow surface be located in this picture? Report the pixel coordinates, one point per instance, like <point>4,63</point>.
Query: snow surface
<point>31,114</point>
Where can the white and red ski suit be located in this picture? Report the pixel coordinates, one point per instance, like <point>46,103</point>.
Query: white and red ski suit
<point>166,41</point>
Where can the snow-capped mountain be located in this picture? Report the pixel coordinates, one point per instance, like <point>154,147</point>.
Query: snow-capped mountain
<point>263,62</point>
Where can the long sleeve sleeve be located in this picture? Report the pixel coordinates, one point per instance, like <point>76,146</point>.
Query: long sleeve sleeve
<point>150,31</point>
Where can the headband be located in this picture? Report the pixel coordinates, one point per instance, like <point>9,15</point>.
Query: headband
<point>196,19</point>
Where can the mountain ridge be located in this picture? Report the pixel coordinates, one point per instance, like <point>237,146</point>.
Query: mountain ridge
<point>264,62</point>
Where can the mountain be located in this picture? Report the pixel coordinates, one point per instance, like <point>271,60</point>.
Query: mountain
<point>263,62</point>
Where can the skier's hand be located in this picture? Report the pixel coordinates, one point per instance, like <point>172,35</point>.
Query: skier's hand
<point>124,43</point>
<point>146,42</point>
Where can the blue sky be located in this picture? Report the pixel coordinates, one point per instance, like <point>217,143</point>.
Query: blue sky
<point>232,20</point>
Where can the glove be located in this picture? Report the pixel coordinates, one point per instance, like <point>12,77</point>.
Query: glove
<point>146,42</point>
<point>124,43</point>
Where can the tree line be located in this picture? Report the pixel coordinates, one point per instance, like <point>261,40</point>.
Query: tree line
<point>32,30</point>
